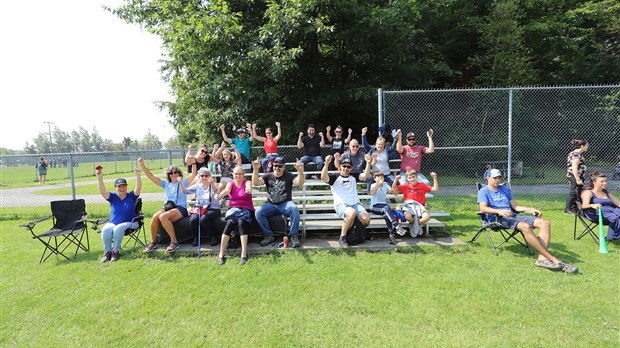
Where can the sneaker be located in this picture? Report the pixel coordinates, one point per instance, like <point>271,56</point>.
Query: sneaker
<point>107,256</point>
<point>221,260</point>
<point>569,268</point>
<point>295,241</point>
<point>420,231</point>
<point>115,255</point>
<point>243,260</point>
<point>267,240</point>
<point>214,241</point>
<point>392,238</point>
<point>343,242</point>
<point>151,247</point>
<point>172,247</point>
<point>548,264</point>
<point>400,230</point>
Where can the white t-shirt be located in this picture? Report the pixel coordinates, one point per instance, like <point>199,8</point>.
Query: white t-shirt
<point>344,189</point>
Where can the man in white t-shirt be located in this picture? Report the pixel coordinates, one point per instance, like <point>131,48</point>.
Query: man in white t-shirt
<point>346,200</point>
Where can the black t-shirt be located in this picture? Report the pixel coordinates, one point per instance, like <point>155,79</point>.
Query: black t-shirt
<point>337,145</point>
<point>312,146</point>
<point>279,189</point>
<point>199,165</point>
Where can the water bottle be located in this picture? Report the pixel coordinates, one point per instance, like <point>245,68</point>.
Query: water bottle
<point>285,241</point>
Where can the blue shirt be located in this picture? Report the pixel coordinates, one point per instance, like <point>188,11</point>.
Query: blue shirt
<point>243,146</point>
<point>380,196</point>
<point>496,200</point>
<point>171,189</point>
<point>122,210</point>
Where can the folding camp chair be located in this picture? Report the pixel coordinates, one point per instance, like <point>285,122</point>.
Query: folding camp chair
<point>132,233</point>
<point>69,228</point>
<point>495,226</point>
<point>590,227</point>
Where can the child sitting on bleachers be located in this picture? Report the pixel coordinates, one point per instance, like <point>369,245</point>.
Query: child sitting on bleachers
<point>414,195</point>
<point>379,206</point>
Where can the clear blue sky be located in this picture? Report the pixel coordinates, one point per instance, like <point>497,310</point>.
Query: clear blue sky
<point>74,64</point>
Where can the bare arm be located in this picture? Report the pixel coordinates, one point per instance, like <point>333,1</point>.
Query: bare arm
<point>523,209</point>
<point>192,176</point>
<point>328,133</point>
<point>324,175</point>
<point>586,200</point>
<point>138,188</point>
<point>277,137</point>
<point>189,158</point>
<point>366,174</point>
<point>224,136</point>
<point>399,141</point>
<point>375,186</point>
<point>225,191</point>
<point>614,200</point>
<point>249,127</point>
<point>147,172</point>
<point>348,139</point>
<point>300,179</point>
<point>431,143</point>
<point>337,160</point>
<point>104,193</point>
<point>255,135</point>
<point>256,179</point>
<point>394,187</point>
<point>435,184</point>
<point>322,143</point>
<point>299,143</point>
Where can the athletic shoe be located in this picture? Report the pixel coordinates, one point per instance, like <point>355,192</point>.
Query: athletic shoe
<point>267,240</point>
<point>107,256</point>
<point>548,264</point>
<point>343,242</point>
<point>400,230</point>
<point>295,241</point>
<point>243,260</point>
<point>151,247</point>
<point>392,238</point>
<point>420,231</point>
<point>221,260</point>
<point>115,255</point>
<point>568,212</point>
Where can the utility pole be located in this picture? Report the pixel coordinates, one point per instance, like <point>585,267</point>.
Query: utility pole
<point>49,129</point>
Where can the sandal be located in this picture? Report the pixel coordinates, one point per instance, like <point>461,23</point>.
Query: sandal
<point>151,247</point>
<point>548,264</point>
<point>569,268</point>
<point>172,247</point>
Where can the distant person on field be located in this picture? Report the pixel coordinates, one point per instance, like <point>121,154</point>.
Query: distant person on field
<point>280,198</point>
<point>312,145</point>
<point>575,172</point>
<point>122,212</point>
<point>411,154</point>
<point>597,197</point>
<point>270,144</point>
<point>497,202</point>
<point>41,167</point>
<point>346,200</point>
<point>174,191</point>
<point>414,196</point>
<point>243,141</point>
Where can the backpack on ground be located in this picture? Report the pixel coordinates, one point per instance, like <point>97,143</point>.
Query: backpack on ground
<point>357,234</point>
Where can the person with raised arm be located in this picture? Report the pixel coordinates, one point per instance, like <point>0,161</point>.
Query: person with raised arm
<point>243,141</point>
<point>338,142</point>
<point>270,144</point>
<point>414,196</point>
<point>312,145</point>
<point>411,154</point>
<point>207,207</point>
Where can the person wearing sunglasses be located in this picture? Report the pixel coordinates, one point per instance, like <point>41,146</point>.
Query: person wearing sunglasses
<point>411,154</point>
<point>270,144</point>
<point>337,142</point>
<point>206,191</point>
<point>346,200</point>
<point>201,158</point>
<point>174,192</point>
<point>243,142</point>
<point>354,155</point>
<point>279,202</point>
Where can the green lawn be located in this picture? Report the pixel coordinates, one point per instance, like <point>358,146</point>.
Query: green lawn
<point>429,296</point>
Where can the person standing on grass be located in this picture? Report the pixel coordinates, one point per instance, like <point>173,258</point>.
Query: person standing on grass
<point>346,200</point>
<point>411,154</point>
<point>242,142</point>
<point>41,167</point>
<point>414,196</point>
<point>280,201</point>
<point>312,145</point>
<point>270,144</point>
<point>174,191</point>
<point>379,206</point>
<point>122,212</point>
<point>239,214</point>
<point>575,172</point>
<point>497,202</point>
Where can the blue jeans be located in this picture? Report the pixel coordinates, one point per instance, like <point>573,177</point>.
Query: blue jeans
<point>269,209</point>
<point>305,159</point>
<point>265,161</point>
<point>388,215</point>
<point>114,232</point>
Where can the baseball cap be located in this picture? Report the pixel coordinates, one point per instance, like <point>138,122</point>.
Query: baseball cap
<point>345,160</point>
<point>120,181</point>
<point>241,130</point>
<point>495,173</point>
<point>278,160</point>
<point>411,135</point>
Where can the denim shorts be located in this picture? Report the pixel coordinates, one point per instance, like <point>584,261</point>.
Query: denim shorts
<point>512,222</point>
<point>340,208</point>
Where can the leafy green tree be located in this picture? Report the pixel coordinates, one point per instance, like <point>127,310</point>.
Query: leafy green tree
<point>151,142</point>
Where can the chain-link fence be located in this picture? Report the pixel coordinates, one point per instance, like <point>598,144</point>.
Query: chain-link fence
<point>525,132</point>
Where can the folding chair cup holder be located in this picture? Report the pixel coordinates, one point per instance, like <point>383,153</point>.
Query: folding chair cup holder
<point>494,226</point>
<point>69,227</point>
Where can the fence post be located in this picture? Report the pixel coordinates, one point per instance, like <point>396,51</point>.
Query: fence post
<point>71,178</point>
<point>509,166</point>
<point>380,107</point>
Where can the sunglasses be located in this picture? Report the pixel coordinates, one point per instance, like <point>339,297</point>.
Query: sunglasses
<point>355,146</point>
<point>205,175</point>
<point>346,167</point>
<point>278,165</point>
<point>203,151</point>
<point>338,131</point>
<point>175,172</point>
<point>411,139</point>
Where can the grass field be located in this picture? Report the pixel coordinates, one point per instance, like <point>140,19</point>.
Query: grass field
<point>426,296</point>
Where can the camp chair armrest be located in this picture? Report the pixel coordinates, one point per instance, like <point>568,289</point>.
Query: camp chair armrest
<point>138,217</point>
<point>97,223</point>
<point>31,224</point>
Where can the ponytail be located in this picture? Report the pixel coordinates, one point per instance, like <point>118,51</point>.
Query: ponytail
<point>577,143</point>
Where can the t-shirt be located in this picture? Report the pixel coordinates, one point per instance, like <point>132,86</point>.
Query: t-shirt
<point>380,197</point>
<point>205,197</point>
<point>199,165</point>
<point>411,157</point>
<point>271,146</point>
<point>382,163</point>
<point>238,197</point>
<point>122,210</point>
<point>337,146</point>
<point>581,167</point>
<point>170,193</point>
<point>227,168</point>
<point>496,200</point>
<point>243,146</point>
<point>357,161</point>
<point>279,188</point>
<point>312,146</point>
<point>41,167</point>
<point>344,189</point>
<point>415,192</point>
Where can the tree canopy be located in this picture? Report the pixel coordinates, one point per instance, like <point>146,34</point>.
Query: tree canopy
<point>321,61</point>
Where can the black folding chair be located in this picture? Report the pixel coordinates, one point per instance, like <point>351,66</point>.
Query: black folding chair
<point>495,226</point>
<point>132,233</point>
<point>590,227</point>
<point>69,228</point>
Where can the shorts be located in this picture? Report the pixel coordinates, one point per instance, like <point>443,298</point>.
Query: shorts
<point>182,209</point>
<point>414,208</point>
<point>340,208</point>
<point>511,223</point>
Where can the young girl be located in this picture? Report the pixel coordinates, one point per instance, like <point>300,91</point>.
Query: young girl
<point>227,164</point>
<point>379,206</point>
<point>414,198</point>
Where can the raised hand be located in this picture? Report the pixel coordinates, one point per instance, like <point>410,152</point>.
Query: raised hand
<point>222,127</point>
<point>301,134</point>
<point>397,178</point>
<point>256,163</point>
<point>321,134</point>
<point>253,125</point>
<point>364,130</point>
<point>337,155</point>
<point>328,159</point>
<point>328,129</point>
<point>179,179</point>
<point>434,175</point>
<point>350,131</point>
<point>430,133</point>
<point>140,160</point>
<point>367,157</point>
<point>298,165</point>
<point>277,124</point>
